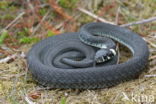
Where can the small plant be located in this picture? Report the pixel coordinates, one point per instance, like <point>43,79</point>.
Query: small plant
<point>27,40</point>
<point>68,3</point>
<point>42,11</point>
<point>4,4</point>
<point>23,33</point>
<point>50,33</point>
<point>3,36</point>
<point>7,16</point>
<point>63,100</point>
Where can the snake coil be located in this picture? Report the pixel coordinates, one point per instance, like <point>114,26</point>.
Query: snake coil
<point>46,59</point>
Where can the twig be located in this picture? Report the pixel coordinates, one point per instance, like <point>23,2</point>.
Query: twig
<point>38,26</point>
<point>30,5</point>
<point>7,59</point>
<point>116,22</point>
<point>125,96</point>
<point>152,75</point>
<point>11,23</point>
<point>14,56</point>
<point>139,22</point>
<point>94,16</point>
<point>152,44</point>
<point>59,10</point>
<point>117,16</point>
<point>6,77</point>
<point>43,5</point>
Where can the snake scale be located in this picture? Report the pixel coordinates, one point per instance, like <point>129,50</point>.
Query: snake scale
<point>68,60</point>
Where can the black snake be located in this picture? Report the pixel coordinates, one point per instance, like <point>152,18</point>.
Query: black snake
<point>74,60</point>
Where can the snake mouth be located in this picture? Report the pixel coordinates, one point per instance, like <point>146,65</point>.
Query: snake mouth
<point>104,55</point>
<point>101,59</point>
<point>104,59</point>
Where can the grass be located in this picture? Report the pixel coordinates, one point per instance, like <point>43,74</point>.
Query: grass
<point>28,40</point>
<point>50,33</point>
<point>16,83</point>
<point>63,100</point>
<point>68,3</point>
<point>3,36</point>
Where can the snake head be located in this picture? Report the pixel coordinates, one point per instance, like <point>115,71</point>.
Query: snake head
<point>104,55</point>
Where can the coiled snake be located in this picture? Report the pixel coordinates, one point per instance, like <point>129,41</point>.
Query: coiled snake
<point>74,60</point>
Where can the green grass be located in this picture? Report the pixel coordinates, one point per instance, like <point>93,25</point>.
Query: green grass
<point>28,40</point>
<point>43,11</point>
<point>68,3</point>
<point>4,5</point>
<point>63,100</point>
<point>3,36</point>
<point>7,17</point>
<point>50,33</point>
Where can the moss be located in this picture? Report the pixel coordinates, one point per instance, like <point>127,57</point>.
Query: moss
<point>4,4</point>
<point>63,100</point>
<point>24,32</point>
<point>68,3</point>
<point>85,19</point>
<point>7,17</point>
<point>27,40</point>
<point>43,11</point>
<point>50,33</point>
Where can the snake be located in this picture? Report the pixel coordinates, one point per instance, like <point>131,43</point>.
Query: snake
<point>87,59</point>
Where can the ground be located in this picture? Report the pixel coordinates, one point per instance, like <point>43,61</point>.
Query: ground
<point>23,23</point>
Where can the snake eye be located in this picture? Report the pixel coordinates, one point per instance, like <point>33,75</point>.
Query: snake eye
<point>113,52</point>
<point>111,55</point>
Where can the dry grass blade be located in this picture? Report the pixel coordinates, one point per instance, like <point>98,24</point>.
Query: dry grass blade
<point>153,75</point>
<point>94,16</point>
<point>12,22</point>
<point>139,22</point>
<point>124,25</point>
<point>117,16</point>
<point>59,10</point>
<point>116,22</point>
<point>152,69</point>
<point>13,56</point>
<point>49,26</point>
<point>152,44</point>
<point>152,57</point>
<point>8,58</point>
<point>38,26</point>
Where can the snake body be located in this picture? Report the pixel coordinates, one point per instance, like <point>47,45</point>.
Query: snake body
<point>51,60</point>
